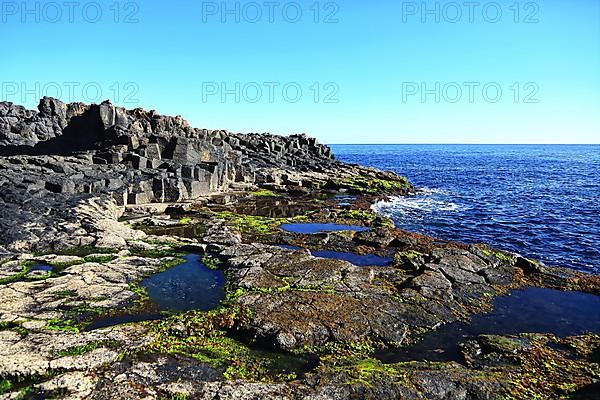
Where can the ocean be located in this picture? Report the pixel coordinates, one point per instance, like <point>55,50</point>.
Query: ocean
<point>542,201</point>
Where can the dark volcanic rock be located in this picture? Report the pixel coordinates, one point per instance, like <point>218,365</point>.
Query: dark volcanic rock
<point>298,300</point>
<point>72,152</point>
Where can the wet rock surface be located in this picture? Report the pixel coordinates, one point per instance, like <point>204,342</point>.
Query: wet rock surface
<point>96,199</point>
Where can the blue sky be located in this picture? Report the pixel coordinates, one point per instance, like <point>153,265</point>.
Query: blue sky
<point>361,66</point>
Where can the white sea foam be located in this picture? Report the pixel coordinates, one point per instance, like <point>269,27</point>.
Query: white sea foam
<point>426,200</point>
<point>428,191</point>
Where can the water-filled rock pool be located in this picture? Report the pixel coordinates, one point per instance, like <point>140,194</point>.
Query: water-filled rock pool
<point>361,260</point>
<point>187,286</point>
<point>530,310</point>
<point>313,228</point>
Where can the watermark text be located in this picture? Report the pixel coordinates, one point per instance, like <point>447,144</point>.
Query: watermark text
<point>270,12</point>
<point>471,92</point>
<point>270,92</point>
<point>472,11</point>
<point>88,92</point>
<point>70,12</point>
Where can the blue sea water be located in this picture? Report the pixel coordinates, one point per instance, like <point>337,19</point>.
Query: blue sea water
<point>542,201</point>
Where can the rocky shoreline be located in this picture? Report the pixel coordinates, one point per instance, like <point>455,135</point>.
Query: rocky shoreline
<point>102,197</point>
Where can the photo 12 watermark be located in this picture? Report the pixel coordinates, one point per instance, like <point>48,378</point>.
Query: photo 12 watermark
<point>87,92</point>
<point>270,12</point>
<point>471,11</point>
<point>469,92</point>
<point>69,12</point>
<point>270,92</point>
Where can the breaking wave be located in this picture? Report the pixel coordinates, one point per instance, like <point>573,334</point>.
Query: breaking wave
<point>425,201</point>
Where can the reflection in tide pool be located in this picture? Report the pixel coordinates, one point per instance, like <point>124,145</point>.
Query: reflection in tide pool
<point>532,310</point>
<point>312,228</point>
<point>366,260</point>
<point>187,286</point>
<point>42,268</point>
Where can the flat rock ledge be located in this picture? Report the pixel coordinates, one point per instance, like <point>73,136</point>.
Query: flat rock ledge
<point>104,197</point>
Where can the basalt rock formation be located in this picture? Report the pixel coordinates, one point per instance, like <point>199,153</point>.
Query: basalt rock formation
<point>175,162</point>
<point>75,153</point>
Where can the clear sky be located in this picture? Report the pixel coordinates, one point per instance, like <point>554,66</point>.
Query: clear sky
<point>369,71</point>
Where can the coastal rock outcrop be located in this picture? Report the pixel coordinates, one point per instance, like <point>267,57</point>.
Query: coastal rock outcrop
<point>54,158</point>
<point>318,288</point>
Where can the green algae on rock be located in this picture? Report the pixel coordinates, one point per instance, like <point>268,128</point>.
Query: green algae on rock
<point>375,186</point>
